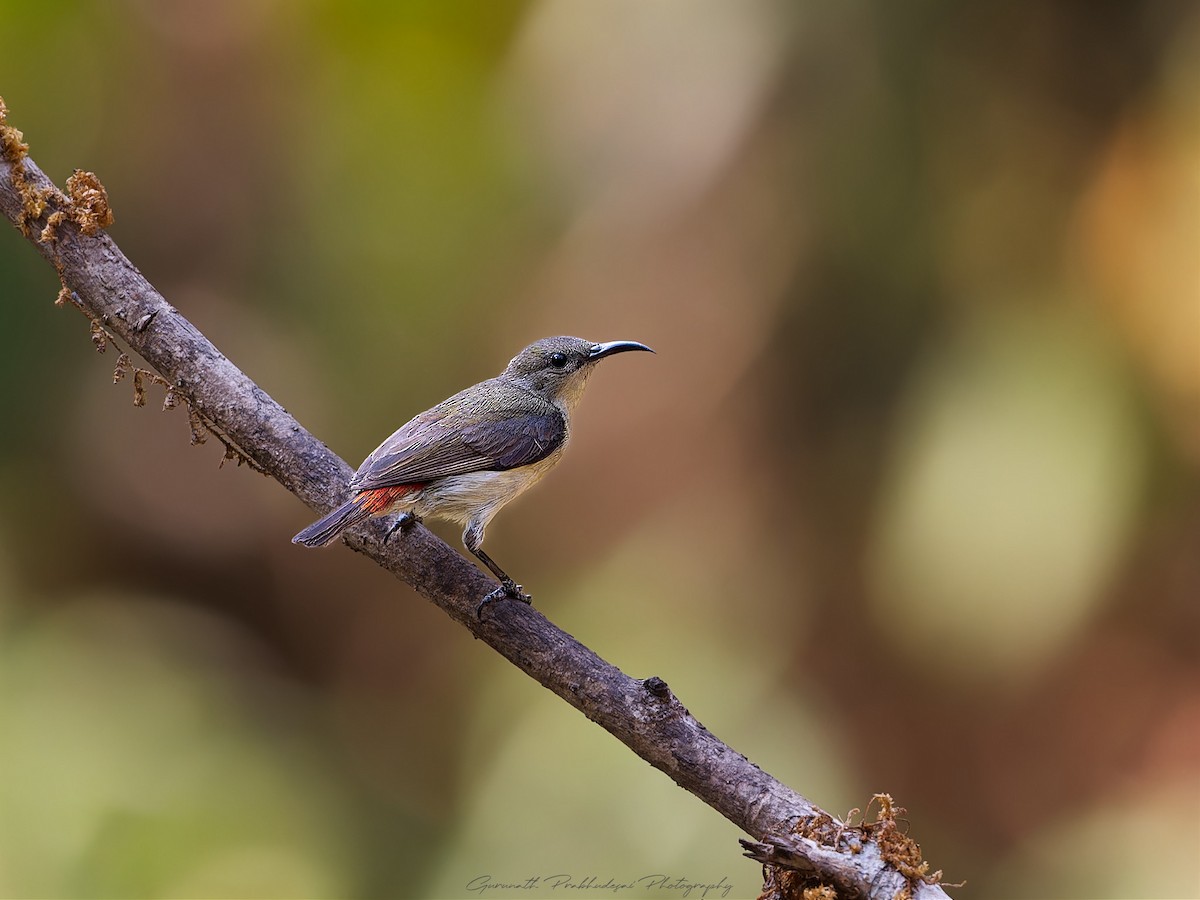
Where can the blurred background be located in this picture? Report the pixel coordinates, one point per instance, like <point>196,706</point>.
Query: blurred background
<point>907,501</point>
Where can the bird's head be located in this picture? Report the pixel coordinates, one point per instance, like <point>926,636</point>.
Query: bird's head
<point>557,368</point>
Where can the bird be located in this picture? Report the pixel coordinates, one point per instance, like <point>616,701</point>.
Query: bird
<point>467,457</point>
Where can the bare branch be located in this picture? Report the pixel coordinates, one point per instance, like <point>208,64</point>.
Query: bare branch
<point>67,229</point>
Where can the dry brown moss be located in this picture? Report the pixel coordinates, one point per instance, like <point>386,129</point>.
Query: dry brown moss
<point>12,143</point>
<point>788,884</point>
<point>85,203</point>
<point>820,892</point>
<point>89,207</point>
<point>888,831</point>
<point>895,846</point>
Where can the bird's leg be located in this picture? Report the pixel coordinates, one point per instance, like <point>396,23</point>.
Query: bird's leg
<point>406,520</point>
<point>508,589</point>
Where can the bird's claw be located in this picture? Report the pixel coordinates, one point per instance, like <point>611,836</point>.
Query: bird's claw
<point>508,590</point>
<point>407,520</point>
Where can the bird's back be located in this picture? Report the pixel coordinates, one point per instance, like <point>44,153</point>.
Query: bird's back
<point>491,426</point>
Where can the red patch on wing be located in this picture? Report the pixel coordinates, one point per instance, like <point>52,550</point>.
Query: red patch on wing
<point>377,500</point>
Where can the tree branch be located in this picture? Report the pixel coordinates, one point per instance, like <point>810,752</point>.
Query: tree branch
<point>66,228</point>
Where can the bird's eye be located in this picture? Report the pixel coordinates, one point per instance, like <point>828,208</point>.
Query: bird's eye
<point>558,360</point>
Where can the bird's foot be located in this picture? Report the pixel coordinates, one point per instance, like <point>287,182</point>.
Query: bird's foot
<point>407,520</point>
<point>508,590</point>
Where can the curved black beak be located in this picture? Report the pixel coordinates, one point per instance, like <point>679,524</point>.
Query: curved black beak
<point>599,351</point>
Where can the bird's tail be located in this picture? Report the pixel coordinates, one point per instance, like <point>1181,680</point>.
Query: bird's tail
<point>326,530</point>
<point>361,507</point>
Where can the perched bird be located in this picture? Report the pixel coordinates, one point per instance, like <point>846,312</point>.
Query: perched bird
<point>474,452</point>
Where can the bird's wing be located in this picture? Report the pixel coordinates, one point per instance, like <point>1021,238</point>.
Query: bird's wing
<point>456,438</point>
<point>519,441</point>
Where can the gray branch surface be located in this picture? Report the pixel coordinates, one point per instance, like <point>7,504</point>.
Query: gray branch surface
<point>642,714</point>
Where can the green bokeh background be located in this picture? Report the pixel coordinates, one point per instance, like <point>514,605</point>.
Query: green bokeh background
<point>907,501</point>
